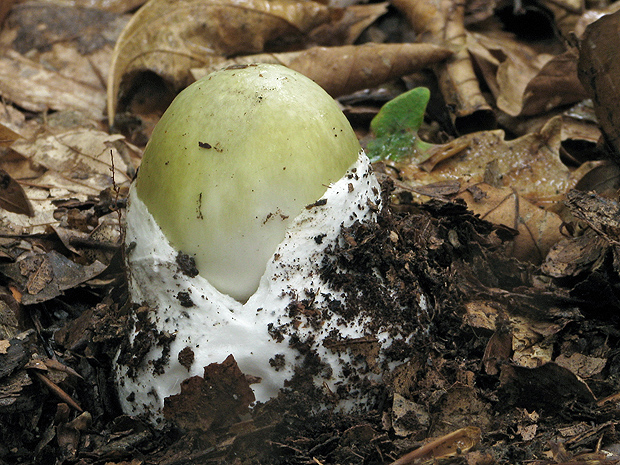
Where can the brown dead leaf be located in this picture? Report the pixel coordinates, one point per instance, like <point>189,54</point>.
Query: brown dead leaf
<point>538,229</point>
<point>346,69</point>
<point>215,400</point>
<point>15,120</point>
<point>36,27</point>
<point>442,22</point>
<point>523,80</point>
<point>482,314</point>
<point>7,136</point>
<point>5,7</point>
<point>169,37</point>
<point>14,353</point>
<point>408,417</point>
<point>12,196</point>
<point>574,255</point>
<point>582,365</point>
<point>82,157</point>
<point>599,71</point>
<point>115,6</point>
<point>497,351</point>
<point>68,433</point>
<point>548,385</point>
<point>347,29</point>
<point>42,277</point>
<point>521,334</point>
<point>530,165</point>
<point>36,88</point>
<point>600,213</point>
<point>555,84</point>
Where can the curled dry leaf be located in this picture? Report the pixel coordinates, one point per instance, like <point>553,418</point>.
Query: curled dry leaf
<point>556,84</point>
<point>346,29</point>
<point>522,80</point>
<point>442,22</point>
<point>169,37</point>
<point>599,71</point>
<point>348,68</point>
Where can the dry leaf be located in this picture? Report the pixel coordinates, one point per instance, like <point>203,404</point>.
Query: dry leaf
<point>35,88</point>
<point>556,84</point>
<point>538,229</point>
<point>483,314</point>
<point>346,69</point>
<point>442,22</point>
<point>524,336</point>
<point>530,165</point>
<point>82,157</point>
<point>347,29</point>
<point>78,163</point>
<point>12,196</point>
<point>42,277</point>
<point>37,26</point>
<point>548,385</point>
<point>114,6</point>
<point>600,213</point>
<point>7,136</point>
<point>5,7</point>
<point>408,417</point>
<point>582,365</point>
<point>574,255</point>
<point>599,71</point>
<point>524,81</point>
<point>15,120</point>
<point>497,351</point>
<point>169,37</point>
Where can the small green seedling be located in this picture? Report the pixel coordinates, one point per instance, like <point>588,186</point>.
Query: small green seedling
<point>396,128</point>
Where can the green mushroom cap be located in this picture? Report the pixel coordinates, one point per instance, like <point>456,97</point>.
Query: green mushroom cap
<point>235,158</point>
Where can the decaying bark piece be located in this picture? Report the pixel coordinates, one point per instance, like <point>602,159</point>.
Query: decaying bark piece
<point>442,22</point>
<point>348,68</point>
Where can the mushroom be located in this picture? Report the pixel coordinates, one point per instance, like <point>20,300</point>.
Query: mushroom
<point>247,180</point>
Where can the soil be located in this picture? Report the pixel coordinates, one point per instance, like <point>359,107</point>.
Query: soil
<point>504,365</point>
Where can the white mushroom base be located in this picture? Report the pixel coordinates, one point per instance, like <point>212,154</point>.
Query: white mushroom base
<point>258,333</point>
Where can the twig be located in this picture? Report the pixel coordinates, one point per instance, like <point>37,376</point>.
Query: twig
<point>62,395</point>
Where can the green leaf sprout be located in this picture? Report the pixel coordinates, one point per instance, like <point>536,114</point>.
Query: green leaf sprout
<point>396,128</point>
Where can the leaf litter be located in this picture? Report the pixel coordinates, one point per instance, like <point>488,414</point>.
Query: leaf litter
<point>508,223</point>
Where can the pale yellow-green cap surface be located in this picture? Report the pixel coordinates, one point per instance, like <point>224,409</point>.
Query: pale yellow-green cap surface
<point>237,155</point>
